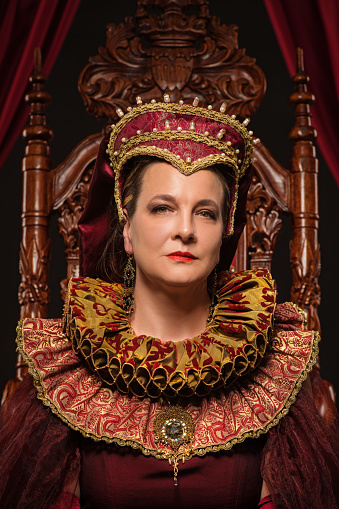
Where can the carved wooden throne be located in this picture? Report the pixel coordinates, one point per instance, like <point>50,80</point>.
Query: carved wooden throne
<point>154,53</point>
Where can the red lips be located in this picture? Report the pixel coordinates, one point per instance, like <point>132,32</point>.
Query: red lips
<point>181,256</point>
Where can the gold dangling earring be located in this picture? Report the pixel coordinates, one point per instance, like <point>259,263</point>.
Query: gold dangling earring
<point>213,294</point>
<point>129,275</point>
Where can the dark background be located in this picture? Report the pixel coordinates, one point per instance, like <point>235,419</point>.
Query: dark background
<point>71,123</point>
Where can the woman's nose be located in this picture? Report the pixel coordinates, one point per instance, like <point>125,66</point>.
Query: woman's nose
<point>184,227</point>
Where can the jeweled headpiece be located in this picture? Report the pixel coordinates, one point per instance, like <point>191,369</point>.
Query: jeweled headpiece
<point>188,137</point>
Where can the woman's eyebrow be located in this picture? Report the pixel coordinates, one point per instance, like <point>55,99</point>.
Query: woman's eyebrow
<point>207,203</point>
<point>201,203</point>
<point>171,198</point>
<point>165,197</point>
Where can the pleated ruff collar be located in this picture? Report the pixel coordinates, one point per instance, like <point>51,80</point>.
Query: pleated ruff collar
<point>233,343</point>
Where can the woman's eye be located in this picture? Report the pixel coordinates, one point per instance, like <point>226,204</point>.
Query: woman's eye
<point>207,213</point>
<point>160,209</point>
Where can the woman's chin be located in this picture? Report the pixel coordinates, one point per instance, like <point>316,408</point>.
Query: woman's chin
<point>174,275</point>
<point>181,279</point>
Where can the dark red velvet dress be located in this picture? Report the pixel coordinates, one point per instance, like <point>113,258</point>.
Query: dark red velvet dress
<point>116,478</point>
<point>40,456</point>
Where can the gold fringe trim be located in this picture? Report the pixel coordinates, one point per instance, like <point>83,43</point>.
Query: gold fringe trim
<point>274,421</point>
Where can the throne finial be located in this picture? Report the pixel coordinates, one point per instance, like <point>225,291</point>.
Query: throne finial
<point>302,99</point>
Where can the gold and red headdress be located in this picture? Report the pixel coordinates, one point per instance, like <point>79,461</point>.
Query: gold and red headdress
<point>187,136</point>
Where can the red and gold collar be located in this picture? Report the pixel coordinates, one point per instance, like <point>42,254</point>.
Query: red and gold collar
<point>259,397</point>
<point>233,343</point>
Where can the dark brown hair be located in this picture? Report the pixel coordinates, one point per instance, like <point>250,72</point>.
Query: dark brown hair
<point>113,258</point>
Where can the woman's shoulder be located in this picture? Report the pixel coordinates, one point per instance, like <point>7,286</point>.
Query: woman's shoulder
<point>289,316</point>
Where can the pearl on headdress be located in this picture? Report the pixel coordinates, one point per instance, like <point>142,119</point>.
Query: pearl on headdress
<point>178,157</point>
<point>233,117</point>
<point>192,125</point>
<point>138,131</point>
<point>155,129</point>
<point>239,161</point>
<point>250,133</point>
<point>206,133</point>
<point>256,141</point>
<point>179,128</point>
<point>237,151</point>
<point>111,165</point>
<point>223,154</point>
<point>153,101</point>
<point>129,108</point>
<point>181,102</point>
<point>119,112</point>
<point>139,101</point>
<point>223,108</point>
<point>228,143</point>
<point>165,150</point>
<point>254,159</point>
<point>210,107</point>
<point>107,151</point>
<point>167,98</point>
<point>196,101</point>
<point>188,160</point>
<point>123,140</point>
<point>115,153</point>
<point>221,134</point>
<point>246,121</point>
<point>167,125</point>
<point>199,158</point>
<point>112,126</point>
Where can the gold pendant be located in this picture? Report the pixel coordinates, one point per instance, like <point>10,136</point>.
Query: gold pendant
<point>174,433</point>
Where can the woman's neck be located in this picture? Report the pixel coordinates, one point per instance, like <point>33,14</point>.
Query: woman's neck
<point>170,313</point>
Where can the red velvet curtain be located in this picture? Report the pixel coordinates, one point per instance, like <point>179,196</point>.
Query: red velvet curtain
<point>24,26</point>
<point>313,25</point>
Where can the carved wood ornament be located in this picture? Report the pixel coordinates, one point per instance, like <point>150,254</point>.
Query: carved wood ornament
<point>171,46</point>
<point>181,51</point>
<point>70,212</point>
<point>264,225</point>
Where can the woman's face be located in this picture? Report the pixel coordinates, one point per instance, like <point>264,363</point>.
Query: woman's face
<point>176,231</point>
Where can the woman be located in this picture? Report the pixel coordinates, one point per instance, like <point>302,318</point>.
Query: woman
<point>181,387</point>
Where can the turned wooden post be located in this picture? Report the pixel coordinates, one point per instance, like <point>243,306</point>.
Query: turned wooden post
<point>36,207</point>
<point>36,203</point>
<point>304,247</point>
